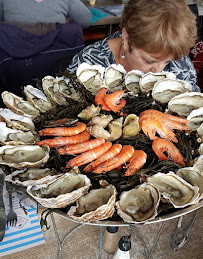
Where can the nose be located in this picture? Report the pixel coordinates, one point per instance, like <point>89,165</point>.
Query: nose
<point>157,67</point>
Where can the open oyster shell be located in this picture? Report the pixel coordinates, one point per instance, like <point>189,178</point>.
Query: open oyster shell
<point>24,156</point>
<point>132,79</point>
<point>200,149</point>
<point>195,118</point>
<point>18,105</point>
<point>114,77</point>
<point>198,164</point>
<point>179,192</point>
<point>200,133</point>
<point>62,191</point>
<point>98,204</point>
<point>165,89</point>
<point>140,204</point>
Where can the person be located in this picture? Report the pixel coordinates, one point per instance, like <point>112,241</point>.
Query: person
<point>45,11</point>
<point>155,36</point>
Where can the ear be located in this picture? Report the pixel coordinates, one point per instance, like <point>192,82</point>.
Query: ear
<point>125,39</point>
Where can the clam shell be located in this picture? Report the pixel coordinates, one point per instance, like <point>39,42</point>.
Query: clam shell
<point>131,126</point>
<point>132,79</point>
<point>114,77</point>
<point>184,104</point>
<point>195,118</point>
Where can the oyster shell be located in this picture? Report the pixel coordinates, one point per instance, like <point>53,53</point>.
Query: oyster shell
<point>132,79</point>
<point>131,126</point>
<point>89,112</point>
<point>195,119</point>
<point>200,149</point>
<point>98,204</point>
<point>198,164</point>
<point>37,98</point>
<point>24,156</point>
<point>90,76</point>
<point>184,104</point>
<point>179,192</point>
<point>139,204</point>
<point>114,77</point>
<point>9,136</point>
<point>165,89</point>
<point>18,105</point>
<point>200,133</point>
<point>16,121</point>
<point>62,191</point>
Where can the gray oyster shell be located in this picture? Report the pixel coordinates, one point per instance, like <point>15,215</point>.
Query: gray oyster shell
<point>200,133</point>
<point>198,164</point>
<point>114,77</point>
<point>195,118</point>
<point>200,149</point>
<point>132,80</point>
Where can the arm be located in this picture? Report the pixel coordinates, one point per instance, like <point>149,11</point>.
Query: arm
<point>79,13</point>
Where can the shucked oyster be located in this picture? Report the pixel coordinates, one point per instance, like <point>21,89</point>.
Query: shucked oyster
<point>16,121</point>
<point>24,156</point>
<point>62,191</point>
<point>18,105</point>
<point>114,77</point>
<point>139,204</point>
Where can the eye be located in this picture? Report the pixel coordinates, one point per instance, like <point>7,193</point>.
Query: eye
<point>149,61</point>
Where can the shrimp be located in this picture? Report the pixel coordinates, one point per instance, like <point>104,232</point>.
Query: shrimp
<point>115,101</point>
<point>151,126</point>
<point>81,147</point>
<point>136,162</point>
<point>61,122</point>
<point>162,145</point>
<point>63,141</point>
<point>123,157</point>
<point>89,156</point>
<point>63,131</point>
<point>99,99</point>
<point>113,151</point>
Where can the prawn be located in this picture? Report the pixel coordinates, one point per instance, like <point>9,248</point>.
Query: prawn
<point>81,147</point>
<point>160,146</point>
<point>61,122</point>
<point>63,141</point>
<point>89,156</point>
<point>151,126</point>
<point>99,99</point>
<point>115,101</point>
<point>123,157</point>
<point>113,151</point>
<point>138,159</point>
<point>63,131</point>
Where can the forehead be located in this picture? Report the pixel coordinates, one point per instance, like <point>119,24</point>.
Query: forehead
<point>162,55</point>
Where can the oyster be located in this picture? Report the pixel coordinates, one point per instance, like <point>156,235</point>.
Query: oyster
<point>132,79</point>
<point>179,192</point>
<point>195,119</point>
<point>114,77</point>
<point>130,126</point>
<point>200,133</point>
<point>165,89</point>
<point>98,204</point>
<point>16,121</point>
<point>139,204</point>
<point>24,156</point>
<point>9,136</point>
<point>200,149</point>
<point>90,76</point>
<point>37,98</point>
<point>198,164</point>
<point>18,105</point>
<point>89,112</point>
<point>62,191</point>
<point>184,104</point>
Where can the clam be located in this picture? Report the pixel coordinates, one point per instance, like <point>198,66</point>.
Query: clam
<point>9,136</point>
<point>62,191</point>
<point>24,156</point>
<point>175,189</point>
<point>132,79</point>
<point>165,89</point>
<point>184,104</point>
<point>100,119</point>
<point>98,204</point>
<point>131,126</point>
<point>37,98</point>
<point>89,112</point>
<point>114,77</point>
<point>90,76</point>
<point>195,118</point>
<point>140,204</point>
<point>198,164</point>
<point>16,121</point>
<point>18,105</point>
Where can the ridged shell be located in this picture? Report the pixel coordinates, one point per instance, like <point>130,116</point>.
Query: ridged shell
<point>114,77</point>
<point>198,164</point>
<point>97,131</point>
<point>89,112</point>
<point>131,126</point>
<point>100,119</point>
<point>115,132</point>
<point>195,119</point>
<point>132,79</point>
<point>140,204</point>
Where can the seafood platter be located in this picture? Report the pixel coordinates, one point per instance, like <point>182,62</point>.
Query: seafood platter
<point>104,146</point>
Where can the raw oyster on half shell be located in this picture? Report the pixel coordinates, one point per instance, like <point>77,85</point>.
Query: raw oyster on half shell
<point>195,119</point>
<point>132,79</point>
<point>140,204</point>
<point>114,77</point>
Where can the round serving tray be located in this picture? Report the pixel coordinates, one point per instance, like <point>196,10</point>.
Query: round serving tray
<point>158,219</point>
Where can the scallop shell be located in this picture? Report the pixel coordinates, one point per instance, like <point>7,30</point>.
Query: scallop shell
<point>132,79</point>
<point>165,89</point>
<point>97,131</point>
<point>18,105</point>
<point>89,112</point>
<point>195,118</point>
<point>131,126</point>
<point>114,77</point>
<point>184,104</point>
<point>100,119</point>
<point>140,204</point>
<point>98,204</point>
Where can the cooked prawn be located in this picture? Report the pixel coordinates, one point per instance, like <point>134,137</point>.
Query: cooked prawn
<point>81,147</point>
<point>89,156</point>
<point>113,151</point>
<point>151,126</point>
<point>99,99</point>
<point>162,145</point>
<point>123,157</point>
<point>63,131</point>
<point>63,141</point>
<point>61,122</point>
<point>138,159</point>
<point>115,101</point>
